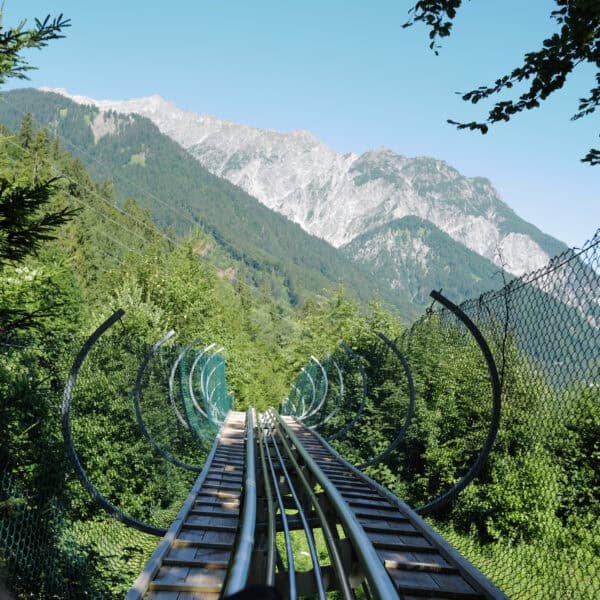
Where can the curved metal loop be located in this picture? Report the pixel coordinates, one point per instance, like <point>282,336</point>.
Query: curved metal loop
<point>204,385</point>
<point>137,393</point>
<point>215,412</point>
<point>195,430</point>
<point>191,379</point>
<point>365,391</point>
<point>409,413</point>
<point>342,432</point>
<point>324,395</point>
<point>172,382</point>
<point>206,380</point>
<point>314,394</point>
<point>295,405</point>
<point>340,396</point>
<point>67,401</point>
<point>444,499</point>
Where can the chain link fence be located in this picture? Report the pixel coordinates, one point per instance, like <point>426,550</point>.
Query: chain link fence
<point>508,472</point>
<point>55,540</point>
<point>531,518</point>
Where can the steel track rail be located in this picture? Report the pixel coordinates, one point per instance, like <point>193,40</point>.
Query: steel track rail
<point>379,581</point>
<point>270,561</point>
<point>291,570</point>
<point>193,559</point>
<point>329,533</point>
<point>242,557</point>
<point>417,559</point>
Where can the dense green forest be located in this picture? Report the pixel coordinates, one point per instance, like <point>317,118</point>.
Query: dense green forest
<point>110,254</point>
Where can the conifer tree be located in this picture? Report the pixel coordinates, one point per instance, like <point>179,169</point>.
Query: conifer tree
<point>27,217</point>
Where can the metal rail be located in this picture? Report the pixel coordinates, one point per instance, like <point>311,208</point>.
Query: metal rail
<point>270,561</point>
<point>193,558</point>
<point>379,582</point>
<point>405,542</point>
<point>211,549</point>
<point>221,542</point>
<point>330,535</point>
<point>291,571</point>
<point>240,566</point>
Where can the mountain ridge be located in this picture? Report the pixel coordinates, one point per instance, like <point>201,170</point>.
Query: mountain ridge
<point>337,197</point>
<point>398,250</point>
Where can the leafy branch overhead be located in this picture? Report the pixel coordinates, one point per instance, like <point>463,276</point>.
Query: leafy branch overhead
<point>24,224</point>
<point>576,42</point>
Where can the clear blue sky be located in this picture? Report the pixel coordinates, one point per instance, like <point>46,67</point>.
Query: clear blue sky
<point>346,71</point>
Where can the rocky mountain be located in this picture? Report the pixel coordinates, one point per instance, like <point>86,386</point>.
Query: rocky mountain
<point>338,197</point>
<point>413,257</point>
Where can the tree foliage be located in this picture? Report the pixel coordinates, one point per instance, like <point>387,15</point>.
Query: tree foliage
<point>13,40</point>
<point>26,219</point>
<point>546,70</point>
<point>108,256</point>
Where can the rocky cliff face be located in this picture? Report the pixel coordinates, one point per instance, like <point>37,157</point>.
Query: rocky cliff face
<point>338,197</point>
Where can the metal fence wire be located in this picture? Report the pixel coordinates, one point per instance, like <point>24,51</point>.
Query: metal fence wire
<point>55,540</point>
<point>531,518</point>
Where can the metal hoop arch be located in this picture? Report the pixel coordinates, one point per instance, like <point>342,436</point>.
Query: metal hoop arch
<point>340,397</point>
<point>324,395</point>
<point>204,382</point>
<point>67,401</point>
<point>172,382</point>
<point>196,432</point>
<point>191,379</point>
<point>137,393</point>
<point>409,413</point>
<point>444,499</point>
<point>314,394</point>
<point>365,391</point>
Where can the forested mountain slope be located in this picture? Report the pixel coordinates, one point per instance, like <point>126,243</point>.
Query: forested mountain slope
<point>253,242</point>
<point>413,256</point>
